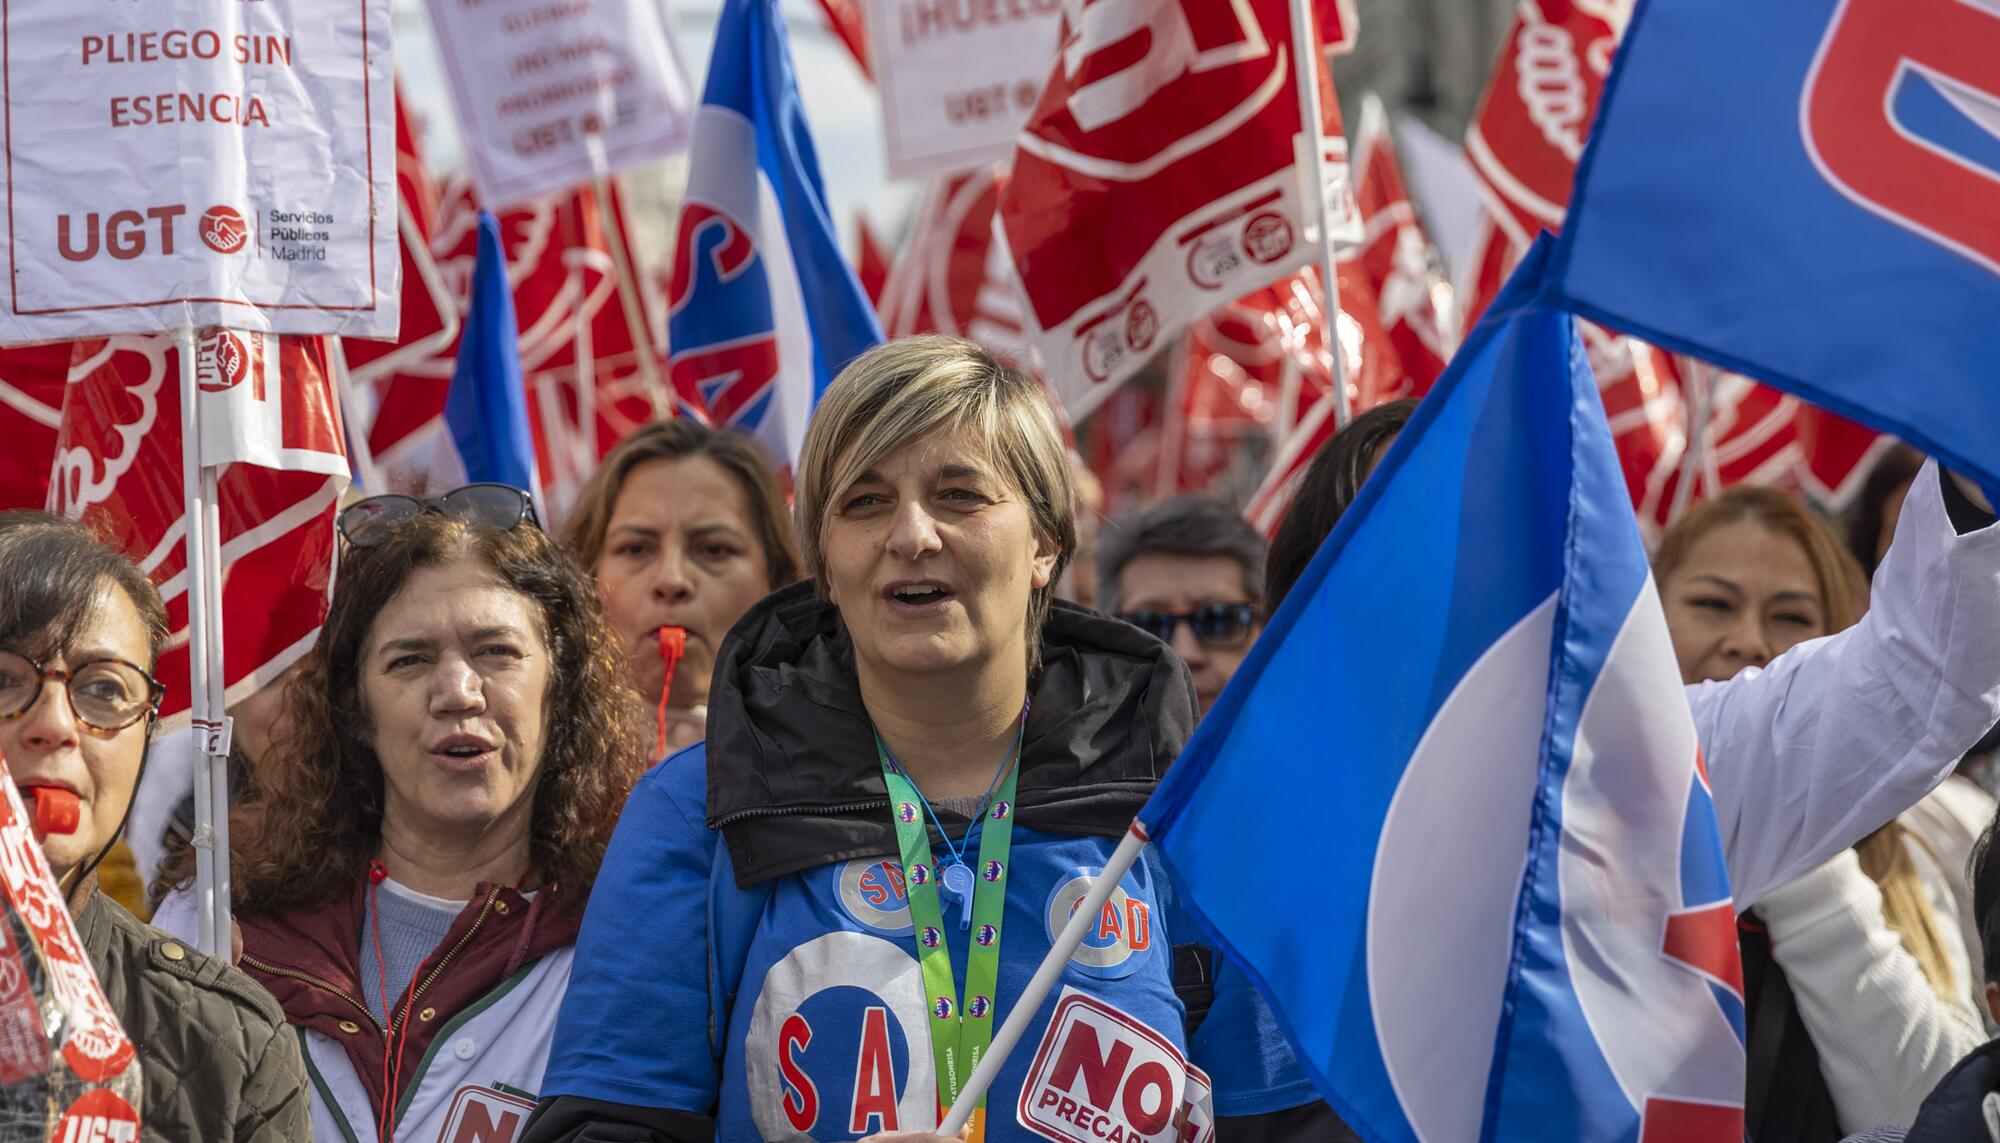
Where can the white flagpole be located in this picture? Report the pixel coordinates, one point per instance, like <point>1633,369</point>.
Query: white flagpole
<point>207,718</point>
<point>1030,1001</point>
<point>1305,67</point>
<point>1700,408</point>
<point>354,422</point>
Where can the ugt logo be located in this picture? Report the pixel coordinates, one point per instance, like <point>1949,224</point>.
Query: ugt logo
<point>1901,114</point>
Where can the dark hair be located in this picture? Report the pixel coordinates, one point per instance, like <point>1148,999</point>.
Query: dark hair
<point>742,458</point>
<point>1892,475</point>
<point>52,572</point>
<point>1983,870</point>
<point>314,814</point>
<point>1330,484</point>
<point>1182,526</point>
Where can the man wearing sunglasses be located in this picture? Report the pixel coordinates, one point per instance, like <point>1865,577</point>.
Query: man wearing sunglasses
<point>1190,572</point>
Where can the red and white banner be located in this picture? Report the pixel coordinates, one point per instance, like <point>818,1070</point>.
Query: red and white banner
<point>430,312</point>
<point>1396,258</point>
<point>118,466</point>
<point>31,396</point>
<point>537,85</point>
<point>181,160</point>
<point>1530,128</point>
<point>1156,180</point>
<point>572,328</point>
<point>954,276</point>
<point>959,80</point>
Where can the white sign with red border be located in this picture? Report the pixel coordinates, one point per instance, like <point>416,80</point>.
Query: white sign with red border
<point>958,79</point>
<point>1101,1074</point>
<point>536,82</point>
<point>233,164</point>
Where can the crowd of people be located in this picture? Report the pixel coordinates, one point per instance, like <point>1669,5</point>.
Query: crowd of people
<point>499,835</point>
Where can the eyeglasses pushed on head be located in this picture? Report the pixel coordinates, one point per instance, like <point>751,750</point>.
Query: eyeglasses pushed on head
<point>500,507</point>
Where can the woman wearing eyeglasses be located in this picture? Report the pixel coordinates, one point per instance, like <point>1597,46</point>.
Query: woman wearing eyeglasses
<point>684,527</point>
<point>914,766</point>
<point>80,634</point>
<point>411,868</point>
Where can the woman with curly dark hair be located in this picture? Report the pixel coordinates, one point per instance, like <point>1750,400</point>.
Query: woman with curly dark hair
<point>411,868</point>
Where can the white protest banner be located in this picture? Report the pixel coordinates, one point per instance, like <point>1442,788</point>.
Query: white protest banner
<point>535,80</point>
<point>958,77</point>
<point>232,164</point>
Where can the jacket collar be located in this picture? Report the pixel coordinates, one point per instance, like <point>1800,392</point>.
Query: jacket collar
<point>310,960</point>
<point>793,778</point>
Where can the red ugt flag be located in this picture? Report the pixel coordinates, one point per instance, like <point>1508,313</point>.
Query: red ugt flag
<point>1155,180</point>
<point>268,412</point>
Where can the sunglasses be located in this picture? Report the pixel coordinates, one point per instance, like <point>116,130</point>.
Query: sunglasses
<point>106,695</point>
<point>500,507</point>
<point>1224,626</point>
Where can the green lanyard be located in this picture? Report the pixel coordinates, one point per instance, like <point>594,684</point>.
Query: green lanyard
<point>960,1028</point>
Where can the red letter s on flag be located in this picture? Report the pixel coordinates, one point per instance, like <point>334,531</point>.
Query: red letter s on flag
<point>1860,145</point>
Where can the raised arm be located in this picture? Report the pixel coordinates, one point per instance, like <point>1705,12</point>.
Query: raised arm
<point>1841,734</point>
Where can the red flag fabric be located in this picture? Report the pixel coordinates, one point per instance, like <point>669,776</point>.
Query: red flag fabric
<point>1339,24</point>
<point>118,467</point>
<point>1413,301</point>
<point>1528,133</point>
<point>1155,180</point>
<point>572,326</point>
<point>31,396</point>
<point>872,267</point>
<point>844,16</point>
<point>954,276</point>
<point>407,396</point>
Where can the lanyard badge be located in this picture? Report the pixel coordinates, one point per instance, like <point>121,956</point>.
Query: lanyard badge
<point>961,1026</point>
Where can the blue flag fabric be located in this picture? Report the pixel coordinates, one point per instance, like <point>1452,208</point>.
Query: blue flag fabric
<point>1450,814</point>
<point>486,410</point>
<point>1807,193</point>
<point>763,308</point>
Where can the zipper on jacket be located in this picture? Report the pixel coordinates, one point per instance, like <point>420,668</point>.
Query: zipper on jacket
<point>316,982</point>
<point>492,895</point>
<point>821,811</point>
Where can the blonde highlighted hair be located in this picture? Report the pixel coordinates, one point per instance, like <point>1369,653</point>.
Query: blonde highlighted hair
<point>899,393</point>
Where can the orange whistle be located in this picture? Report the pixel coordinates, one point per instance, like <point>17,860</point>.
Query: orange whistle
<point>56,810</point>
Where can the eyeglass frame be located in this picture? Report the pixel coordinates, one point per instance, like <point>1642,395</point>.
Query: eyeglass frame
<point>436,504</point>
<point>45,675</point>
<point>1178,618</point>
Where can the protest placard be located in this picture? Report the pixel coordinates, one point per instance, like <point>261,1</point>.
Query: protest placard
<point>177,161</point>
<point>535,80</point>
<point>958,77</point>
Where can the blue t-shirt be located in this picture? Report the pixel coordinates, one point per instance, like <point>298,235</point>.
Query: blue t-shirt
<point>826,1037</point>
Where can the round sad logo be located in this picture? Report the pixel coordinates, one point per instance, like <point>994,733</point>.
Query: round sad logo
<point>1113,944</point>
<point>873,892</point>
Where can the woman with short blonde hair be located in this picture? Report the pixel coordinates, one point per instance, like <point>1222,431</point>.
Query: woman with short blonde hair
<point>915,765</point>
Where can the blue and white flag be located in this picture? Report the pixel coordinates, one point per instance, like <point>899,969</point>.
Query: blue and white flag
<point>763,309</point>
<point>1807,193</point>
<point>486,434</point>
<point>1451,815</point>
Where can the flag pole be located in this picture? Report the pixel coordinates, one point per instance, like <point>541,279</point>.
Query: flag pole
<point>207,718</point>
<point>628,285</point>
<point>1699,410</point>
<point>1305,66</point>
<point>355,426</point>
<point>1030,1001</point>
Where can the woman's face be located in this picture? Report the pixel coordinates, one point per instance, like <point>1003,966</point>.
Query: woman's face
<point>47,746</point>
<point>454,680</point>
<point>931,557</point>
<point>681,549</point>
<point>1743,595</point>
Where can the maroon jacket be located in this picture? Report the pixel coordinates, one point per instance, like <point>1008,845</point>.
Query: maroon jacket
<point>310,959</point>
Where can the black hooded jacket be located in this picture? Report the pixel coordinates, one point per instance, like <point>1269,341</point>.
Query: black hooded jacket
<point>794,783</point>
